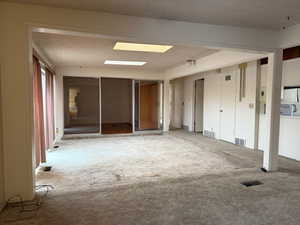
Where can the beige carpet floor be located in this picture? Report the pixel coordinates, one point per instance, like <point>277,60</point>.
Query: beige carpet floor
<point>178,178</point>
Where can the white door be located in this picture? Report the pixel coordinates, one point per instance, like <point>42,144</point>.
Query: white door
<point>227,107</point>
<point>199,94</point>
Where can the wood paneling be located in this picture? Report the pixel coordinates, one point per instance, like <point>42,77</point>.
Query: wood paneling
<point>288,53</point>
<point>291,53</point>
<point>116,128</point>
<point>148,106</point>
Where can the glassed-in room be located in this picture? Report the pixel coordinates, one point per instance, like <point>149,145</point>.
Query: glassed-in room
<point>109,106</point>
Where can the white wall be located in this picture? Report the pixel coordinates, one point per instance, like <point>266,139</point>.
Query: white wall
<point>246,109</point>
<point>289,140</point>
<point>262,134</point>
<point>220,59</point>
<point>211,100</point>
<point>290,36</point>
<point>245,115</point>
<point>188,100</point>
<point>291,70</point>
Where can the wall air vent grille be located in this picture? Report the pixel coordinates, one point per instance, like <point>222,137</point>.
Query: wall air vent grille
<point>228,77</point>
<point>209,134</point>
<point>240,141</point>
<point>236,141</point>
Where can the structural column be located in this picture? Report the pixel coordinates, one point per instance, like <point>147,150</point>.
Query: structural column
<point>274,79</point>
<point>17,110</point>
<point>166,113</point>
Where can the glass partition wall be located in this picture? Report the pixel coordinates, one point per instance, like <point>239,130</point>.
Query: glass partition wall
<point>112,105</point>
<point>116,106</point>
<point>81,105</point>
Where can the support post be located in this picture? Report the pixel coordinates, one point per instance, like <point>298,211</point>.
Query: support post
<point>166,113</point>
<point>133,106</point>
<point>274,79</point>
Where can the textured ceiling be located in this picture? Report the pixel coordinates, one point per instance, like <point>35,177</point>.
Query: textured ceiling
<point>251,13</point>
<point>65,50</point>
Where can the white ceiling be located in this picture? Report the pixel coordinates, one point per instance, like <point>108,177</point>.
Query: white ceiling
<point>250,13</point>
<point>65,50</point>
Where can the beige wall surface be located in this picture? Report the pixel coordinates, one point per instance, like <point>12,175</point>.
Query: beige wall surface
<point>17,110</point>
<point>2,199</point>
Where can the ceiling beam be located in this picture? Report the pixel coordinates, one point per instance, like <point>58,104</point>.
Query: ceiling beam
<point>129,73</point>
<point>146,30</point>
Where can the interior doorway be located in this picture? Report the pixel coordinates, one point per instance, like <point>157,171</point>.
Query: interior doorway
<point>116,106</point>
<point>199,105</point>
<point>148,105</point>
<point>227,107</point>
<point>81,105</point>
<point>176,94</point>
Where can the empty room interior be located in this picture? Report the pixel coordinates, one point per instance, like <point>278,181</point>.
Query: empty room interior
<point>139,112</point>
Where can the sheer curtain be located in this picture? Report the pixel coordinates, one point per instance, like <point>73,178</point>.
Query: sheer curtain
<point>39,129</point>
<point>49,109</point>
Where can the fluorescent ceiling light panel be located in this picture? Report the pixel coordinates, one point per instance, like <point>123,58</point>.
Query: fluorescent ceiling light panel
<point>124,46</point>
<point>124,63</point>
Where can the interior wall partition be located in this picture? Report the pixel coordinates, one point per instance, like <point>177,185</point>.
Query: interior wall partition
<point>116,106</point>
<point>112,106</point>
<point>81,105</point>
<point>148,105</point>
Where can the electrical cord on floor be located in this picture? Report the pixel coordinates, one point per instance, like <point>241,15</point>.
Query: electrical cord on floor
<point>23,208</point>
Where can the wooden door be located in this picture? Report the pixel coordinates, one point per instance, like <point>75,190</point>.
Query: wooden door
<point>148,105</point>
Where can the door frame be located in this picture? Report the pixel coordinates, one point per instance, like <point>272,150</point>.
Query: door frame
<point>195,105</point>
